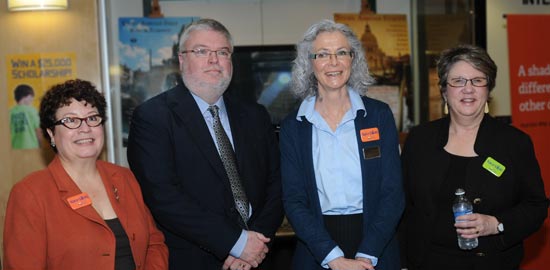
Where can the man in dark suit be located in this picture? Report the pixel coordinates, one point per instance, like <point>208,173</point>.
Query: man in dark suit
<point>215,214</point>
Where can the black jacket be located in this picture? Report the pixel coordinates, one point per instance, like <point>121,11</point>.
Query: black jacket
<point>184,183</point>
<point>516,198</point>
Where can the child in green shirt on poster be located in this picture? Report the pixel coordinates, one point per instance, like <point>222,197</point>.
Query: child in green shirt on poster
<point>24,120</point>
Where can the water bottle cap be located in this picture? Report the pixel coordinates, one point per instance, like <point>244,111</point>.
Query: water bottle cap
<point>459,191</point>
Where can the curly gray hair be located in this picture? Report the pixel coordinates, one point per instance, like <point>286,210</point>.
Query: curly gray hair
<point>304,83</point>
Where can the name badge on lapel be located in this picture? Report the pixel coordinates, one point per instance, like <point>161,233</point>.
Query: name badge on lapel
<point>369,134</point>
<point>371,152</point>
<point>494,166</point>
<point>79,201</point>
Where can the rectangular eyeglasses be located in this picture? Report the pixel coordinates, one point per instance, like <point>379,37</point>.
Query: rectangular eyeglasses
<point>203,53</point>
<point>461,82</point>
<point>340,55</point>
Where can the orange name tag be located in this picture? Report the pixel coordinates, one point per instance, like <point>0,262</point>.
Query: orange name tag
<point>370,134</point>
<point>79,200</point>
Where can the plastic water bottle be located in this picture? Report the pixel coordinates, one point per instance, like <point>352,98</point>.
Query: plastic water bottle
<point>462,206</point>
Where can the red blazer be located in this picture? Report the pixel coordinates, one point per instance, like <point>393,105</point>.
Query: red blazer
<point>42,231</point>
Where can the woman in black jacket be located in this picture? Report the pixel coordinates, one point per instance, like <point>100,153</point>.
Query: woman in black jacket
<point>493,162</point>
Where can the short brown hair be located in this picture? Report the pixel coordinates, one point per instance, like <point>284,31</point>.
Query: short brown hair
<point>475,56</point>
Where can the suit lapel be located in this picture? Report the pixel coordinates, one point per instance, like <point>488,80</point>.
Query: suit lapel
<point>438,156</point>
<point>369,169</point>
<point>304,135</point>
<point>67,189</point>
<point>115,187</point>
<point>474,186</point>
<point>238,123</point>
<point>184,106</point>
<point>475,183</point>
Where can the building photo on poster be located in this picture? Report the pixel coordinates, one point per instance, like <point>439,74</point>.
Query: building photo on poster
<point>385,38</point>
<point>148,60</point>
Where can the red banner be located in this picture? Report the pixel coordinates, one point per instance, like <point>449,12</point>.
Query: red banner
<point>529,55</point>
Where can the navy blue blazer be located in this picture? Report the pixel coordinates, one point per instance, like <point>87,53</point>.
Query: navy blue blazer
<point>383,197</point>
<point>184,183</point>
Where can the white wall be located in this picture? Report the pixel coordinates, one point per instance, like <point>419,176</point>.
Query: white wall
<point>497,47</point>
<point>251,22</point>
<point>263,22</point>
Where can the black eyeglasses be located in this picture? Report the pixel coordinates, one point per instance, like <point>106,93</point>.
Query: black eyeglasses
<point>323,56</point>
<point>203,53</point>
<point>461,82</point>
<point>75,122</point>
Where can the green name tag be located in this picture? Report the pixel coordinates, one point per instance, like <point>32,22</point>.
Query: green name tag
<point>494,166</point>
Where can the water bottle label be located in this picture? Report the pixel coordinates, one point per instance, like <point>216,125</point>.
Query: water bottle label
<point>461,213</point>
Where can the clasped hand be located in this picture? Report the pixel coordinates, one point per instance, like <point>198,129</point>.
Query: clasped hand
<point>253,254</point>
<point>342,263</point>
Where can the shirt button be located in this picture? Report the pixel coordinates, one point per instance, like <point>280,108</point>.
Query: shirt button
<point>477,200</point>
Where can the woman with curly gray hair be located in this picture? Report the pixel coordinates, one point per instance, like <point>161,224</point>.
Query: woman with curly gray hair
<point>304,83</point>
<point>340,164</point>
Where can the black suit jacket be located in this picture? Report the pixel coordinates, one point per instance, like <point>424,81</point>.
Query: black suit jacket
<point>516,198</point>
<point>175,160</point>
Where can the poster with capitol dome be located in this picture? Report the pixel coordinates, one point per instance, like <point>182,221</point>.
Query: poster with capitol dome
<point>385,39</point>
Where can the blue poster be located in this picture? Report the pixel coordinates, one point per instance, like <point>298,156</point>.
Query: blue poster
<point>148,60</point>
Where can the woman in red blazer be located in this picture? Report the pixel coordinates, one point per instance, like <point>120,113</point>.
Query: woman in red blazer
<point>79,213</point>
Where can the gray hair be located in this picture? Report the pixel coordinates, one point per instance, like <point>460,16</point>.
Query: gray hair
<point>204,24</point>
<point>304,83</point>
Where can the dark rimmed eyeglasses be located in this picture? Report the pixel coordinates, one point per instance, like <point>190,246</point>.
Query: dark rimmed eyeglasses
<point>461,82</point>
<point>75,122</point>
<point>203,53</point>
<point>340,55</point>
